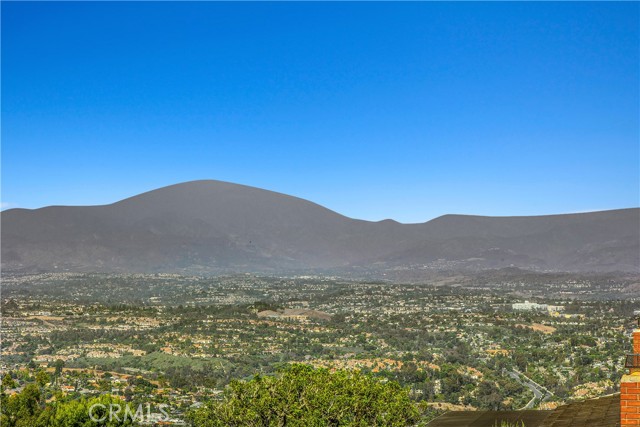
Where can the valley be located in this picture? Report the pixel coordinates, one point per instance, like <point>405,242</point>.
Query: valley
<point>180,340</point>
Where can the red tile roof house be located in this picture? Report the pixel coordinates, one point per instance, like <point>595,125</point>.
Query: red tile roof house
<point>617,410</point>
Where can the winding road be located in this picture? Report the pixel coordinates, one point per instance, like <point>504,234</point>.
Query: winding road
<point>539,393</point>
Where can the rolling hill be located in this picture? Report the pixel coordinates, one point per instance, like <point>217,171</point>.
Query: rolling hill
<point>213,226</point>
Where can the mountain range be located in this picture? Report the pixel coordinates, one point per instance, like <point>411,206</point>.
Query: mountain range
<point>212,226</point>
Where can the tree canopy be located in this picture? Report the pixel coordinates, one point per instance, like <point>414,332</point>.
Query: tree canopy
<point>300,395</point>
<point>28,409</point>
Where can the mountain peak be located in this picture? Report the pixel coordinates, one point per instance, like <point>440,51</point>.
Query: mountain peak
<point>210,226</point>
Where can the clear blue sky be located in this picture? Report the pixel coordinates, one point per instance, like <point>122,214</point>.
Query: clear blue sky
<point>375,110</point>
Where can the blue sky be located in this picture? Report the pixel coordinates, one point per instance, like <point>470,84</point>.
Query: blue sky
<point>375,110</point>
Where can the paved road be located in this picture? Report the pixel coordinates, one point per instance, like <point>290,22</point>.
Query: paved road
<point>538,393</point>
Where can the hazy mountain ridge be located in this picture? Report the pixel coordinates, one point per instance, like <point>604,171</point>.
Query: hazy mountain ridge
<point>207,226</point>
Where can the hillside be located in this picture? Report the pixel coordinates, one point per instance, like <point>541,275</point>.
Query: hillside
<point>212,226</point>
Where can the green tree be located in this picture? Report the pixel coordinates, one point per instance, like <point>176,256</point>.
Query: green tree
<point>93,412</point>
<point>489,396</point>
<point>27,409</point>
<point>42,378</point>
<point>301,396</point>
<point>7,381</point>
<point>21,409</point>
<point>58,364</point>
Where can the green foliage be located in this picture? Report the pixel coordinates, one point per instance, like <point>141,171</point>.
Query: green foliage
<point>42,378</point>
<point>301,396</point>
<point>7,381</point>
<point>76,413</point>
<point>28,409</point>
<point>21,409</point>
<point>59,364</point>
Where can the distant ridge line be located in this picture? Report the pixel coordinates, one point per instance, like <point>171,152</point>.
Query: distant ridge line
<point>209,226</point>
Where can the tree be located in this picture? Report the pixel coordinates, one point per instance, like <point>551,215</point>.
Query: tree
<point>300,395</point>
<point>7,381</point>
<point>93,412</point>
<point>27,409</point>
<point>42,378</point>
<point>489,396</point>
<point>21,409</point>
<point>58,364</point>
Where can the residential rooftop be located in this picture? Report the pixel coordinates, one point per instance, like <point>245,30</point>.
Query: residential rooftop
<point>601,412</point>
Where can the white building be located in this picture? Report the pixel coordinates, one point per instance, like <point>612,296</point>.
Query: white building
<point>528,306</point>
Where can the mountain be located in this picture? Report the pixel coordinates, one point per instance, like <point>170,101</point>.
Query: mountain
<point>213,226</point>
